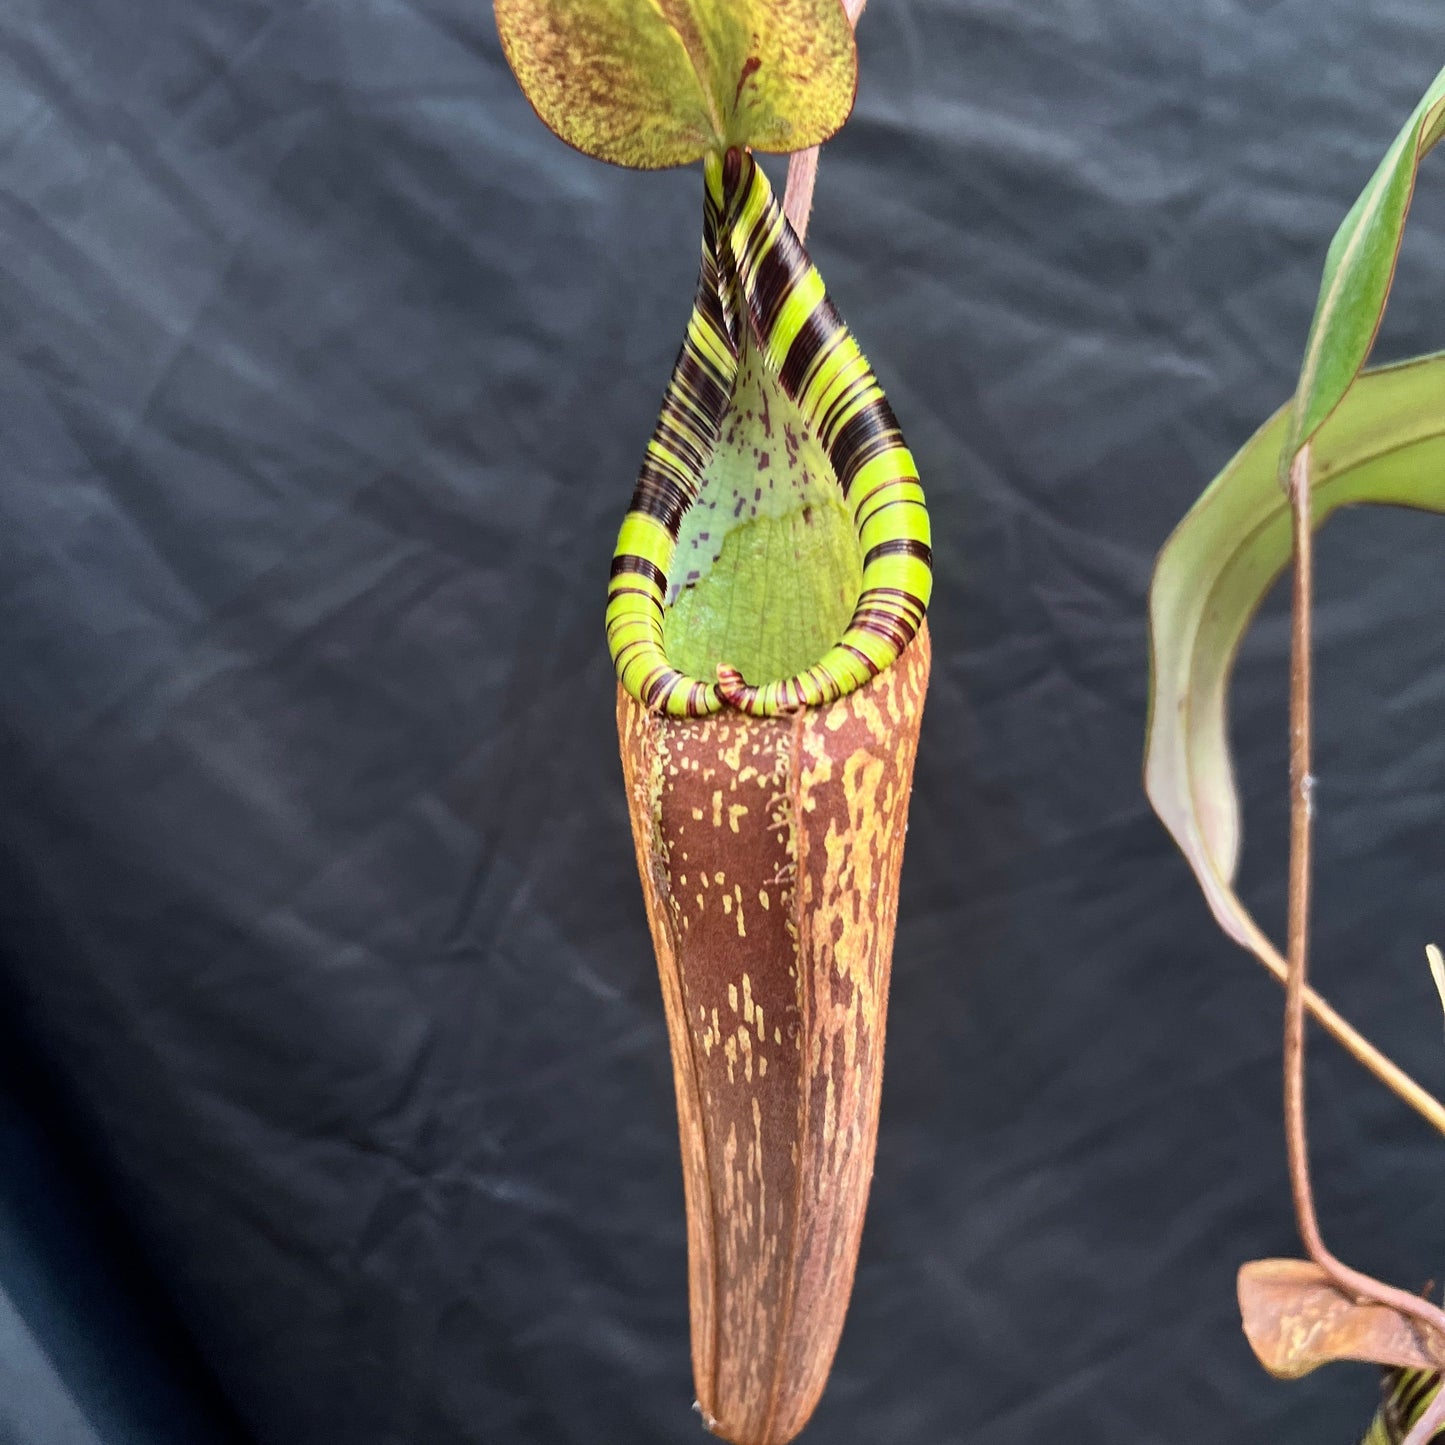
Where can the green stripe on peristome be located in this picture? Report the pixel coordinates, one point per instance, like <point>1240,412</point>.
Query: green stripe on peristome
<point>779,518</point>
<point>1406,1396</point>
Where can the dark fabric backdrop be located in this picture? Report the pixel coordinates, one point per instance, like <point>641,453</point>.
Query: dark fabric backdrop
<point>339,1106</point>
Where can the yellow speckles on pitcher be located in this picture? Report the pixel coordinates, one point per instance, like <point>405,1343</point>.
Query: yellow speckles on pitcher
<point>774,973</point>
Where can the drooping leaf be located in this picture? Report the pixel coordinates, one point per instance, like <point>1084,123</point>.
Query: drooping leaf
<point>654,83</point>
<point>1358,271</point>
<point>1385,443</point>
<point>1296,1320</point>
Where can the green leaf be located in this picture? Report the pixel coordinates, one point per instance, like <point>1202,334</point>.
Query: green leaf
<point>654,83</point>
<point>1358,271</point>
<point>1385,443</point>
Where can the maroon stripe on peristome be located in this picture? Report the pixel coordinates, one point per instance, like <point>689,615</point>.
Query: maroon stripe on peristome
<point>862,657</point>
<point>899,547</point>
<point>635,592</point>
<point>820,332</point>
<point>873,431</point>
<point>882,624</point>
<point>631,562</point>
<point>777,269</point>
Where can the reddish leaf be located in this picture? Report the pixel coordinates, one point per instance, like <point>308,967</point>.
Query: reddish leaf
<point>1296,1320</point>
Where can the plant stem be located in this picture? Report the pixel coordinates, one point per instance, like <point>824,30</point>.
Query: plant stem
<point>1301,818</point>
<point>1359,1048</point>
<point>798,197</point>
<point>1428,1423</point>
<point>803,167</point>
<point>1301,811</point>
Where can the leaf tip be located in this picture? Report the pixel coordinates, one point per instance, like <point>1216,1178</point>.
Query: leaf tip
<point>1436,961</point>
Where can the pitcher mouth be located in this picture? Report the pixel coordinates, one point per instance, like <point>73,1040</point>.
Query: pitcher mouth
<point>766,359</point>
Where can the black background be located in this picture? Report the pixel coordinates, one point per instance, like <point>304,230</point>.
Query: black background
<point>338,1106</point>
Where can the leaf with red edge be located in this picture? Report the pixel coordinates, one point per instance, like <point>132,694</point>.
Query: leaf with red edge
<point>655,83</point>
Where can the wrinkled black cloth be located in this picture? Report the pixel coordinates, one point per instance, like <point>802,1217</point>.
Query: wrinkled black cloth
<point>325,375</point>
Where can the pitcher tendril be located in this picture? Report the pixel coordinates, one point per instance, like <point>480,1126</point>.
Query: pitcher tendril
<point>758,288</point>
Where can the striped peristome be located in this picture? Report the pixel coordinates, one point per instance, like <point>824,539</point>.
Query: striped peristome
<point>756,275</point>
<point>1407,1393</point>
